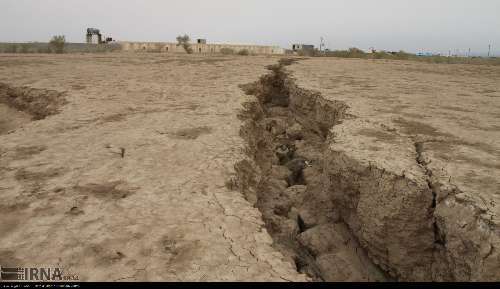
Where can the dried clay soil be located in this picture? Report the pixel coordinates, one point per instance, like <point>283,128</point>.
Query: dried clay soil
<point>151,167</point>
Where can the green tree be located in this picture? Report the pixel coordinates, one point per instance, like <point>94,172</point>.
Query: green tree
<point>185,41</point>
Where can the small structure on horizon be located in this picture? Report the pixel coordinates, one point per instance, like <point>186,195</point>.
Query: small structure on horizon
<point>303,47</point>
<point>201,41</point>
<point>94,31</point>
<point>90,35</point>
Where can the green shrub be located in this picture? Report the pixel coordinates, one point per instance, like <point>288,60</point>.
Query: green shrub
<point>244,52</point>
<point>356,53</point>
<point>11,48</point>
<point>25,48</point>
<point>337,53</point>
<point>43,50</point>
<point>402,55</point>
<point>57,44</point>
<point>353,52</point>
<point>382,55</point>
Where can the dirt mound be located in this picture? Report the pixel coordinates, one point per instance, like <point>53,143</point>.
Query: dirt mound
<point>39,103</point>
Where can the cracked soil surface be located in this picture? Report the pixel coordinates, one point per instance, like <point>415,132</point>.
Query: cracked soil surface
<point>414,166</point>
<point>163,211</point>
<point>147,167</point>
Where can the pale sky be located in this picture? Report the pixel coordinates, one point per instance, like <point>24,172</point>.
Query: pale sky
<point>429,25</point>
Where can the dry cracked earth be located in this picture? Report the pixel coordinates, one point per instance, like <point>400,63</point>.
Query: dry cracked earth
<point>151,167</point>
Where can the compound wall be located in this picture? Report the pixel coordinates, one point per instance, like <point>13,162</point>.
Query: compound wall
<point>198,48</point>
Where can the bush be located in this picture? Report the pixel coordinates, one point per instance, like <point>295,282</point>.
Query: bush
<point>244,52</point>
<point>227,51</point>
<point>381,55</point>
<point>402,55</point>
<point>57,44</point>
<point>185,41</point>
<point>43,50</point>
<point>356,53</point>
<point>25,48</point>
<point>11,48</point>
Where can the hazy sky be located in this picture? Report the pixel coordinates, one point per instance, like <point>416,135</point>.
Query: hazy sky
<point>432,25</point>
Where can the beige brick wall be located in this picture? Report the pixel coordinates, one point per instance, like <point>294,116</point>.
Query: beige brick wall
<point>198,48</point>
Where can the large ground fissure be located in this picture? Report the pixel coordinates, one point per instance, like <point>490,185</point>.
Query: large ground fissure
<point>286,129</point>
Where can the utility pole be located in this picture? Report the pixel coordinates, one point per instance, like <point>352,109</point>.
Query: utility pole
<point>468,55</point>
<point>321,44</point>
<point>489,50</point>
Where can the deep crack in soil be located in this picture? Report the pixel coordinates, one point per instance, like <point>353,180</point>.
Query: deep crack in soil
<point>439,237</point>
<point>341,219</point>
<point>286,129</point>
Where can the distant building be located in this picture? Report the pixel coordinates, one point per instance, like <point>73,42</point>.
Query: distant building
<point>298,47</point>
<point>427,54</point>
<point>201,41</point>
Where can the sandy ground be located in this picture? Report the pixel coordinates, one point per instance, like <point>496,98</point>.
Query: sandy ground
<point>160,213</point>
<point>130,180</point>
<point>11,118</point>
